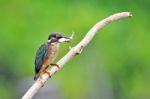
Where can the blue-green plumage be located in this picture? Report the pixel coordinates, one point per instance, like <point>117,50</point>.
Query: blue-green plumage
<point>40,57</point>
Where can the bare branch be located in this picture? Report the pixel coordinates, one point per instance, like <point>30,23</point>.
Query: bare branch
<point>74,51</point>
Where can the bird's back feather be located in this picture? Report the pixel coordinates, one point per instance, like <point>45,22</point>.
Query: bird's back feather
<point>40,57</point>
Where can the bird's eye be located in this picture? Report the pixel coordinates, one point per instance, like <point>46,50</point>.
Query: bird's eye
<point>56,36</point>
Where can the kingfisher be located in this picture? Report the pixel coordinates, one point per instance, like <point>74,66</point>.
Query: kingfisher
<point>47,53</point>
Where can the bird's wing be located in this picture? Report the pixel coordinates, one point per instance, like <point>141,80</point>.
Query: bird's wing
<point>39,57</point>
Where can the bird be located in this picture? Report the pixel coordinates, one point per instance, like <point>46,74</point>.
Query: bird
<point>46,53</point>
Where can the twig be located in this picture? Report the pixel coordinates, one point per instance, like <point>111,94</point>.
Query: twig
<point>74,51</point>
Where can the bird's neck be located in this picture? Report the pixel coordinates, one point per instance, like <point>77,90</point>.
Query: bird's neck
<point>54,44</point>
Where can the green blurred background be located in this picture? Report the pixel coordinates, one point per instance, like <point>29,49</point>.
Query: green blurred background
<point>115,65</point>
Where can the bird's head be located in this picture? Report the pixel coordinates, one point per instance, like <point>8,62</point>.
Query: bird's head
<point>57,38</point>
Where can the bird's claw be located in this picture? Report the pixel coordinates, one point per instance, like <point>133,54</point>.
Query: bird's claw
<point>48,73</point>
<point>56,65</point>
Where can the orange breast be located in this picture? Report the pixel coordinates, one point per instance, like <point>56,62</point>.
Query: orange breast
<point>50,56</point>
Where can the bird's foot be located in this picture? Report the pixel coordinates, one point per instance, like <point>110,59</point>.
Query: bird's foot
<point>48,73</point>
<point>56,65</point>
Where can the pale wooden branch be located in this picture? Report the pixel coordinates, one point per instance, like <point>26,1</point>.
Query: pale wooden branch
<point>74,51</point>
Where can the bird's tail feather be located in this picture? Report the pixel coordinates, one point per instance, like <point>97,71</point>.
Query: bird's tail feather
<point>36,76</point>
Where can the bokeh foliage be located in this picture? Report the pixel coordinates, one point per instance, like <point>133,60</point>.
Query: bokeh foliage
<point>115,65</point>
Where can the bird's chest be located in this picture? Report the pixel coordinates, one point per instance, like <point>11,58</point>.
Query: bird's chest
<point>51,52</point>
